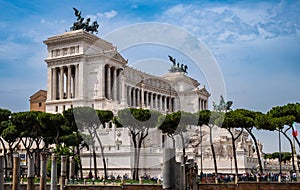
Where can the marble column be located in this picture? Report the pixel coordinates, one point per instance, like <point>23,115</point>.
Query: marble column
<point>76,81</point>
<point>61,83</point>
<point>165,105</point>
<point>63,173</point>
<point>123,89</point>
<point>69,82</point>
<point>138,94</point>
<point>108,83</point>
<point>49,83</point>
<point>53,185</point>
<point>30,173</point>
<point>160,103</point>
<point>43,170</point>
<point>16,172</point>
<point>147,99</point>
<point>133,97</point>
<point>128,92</point>
<point>115,85</point>
<point>72,168</point>
<point>142,96</point>
<point>54,84</point>
<point>156,101</point>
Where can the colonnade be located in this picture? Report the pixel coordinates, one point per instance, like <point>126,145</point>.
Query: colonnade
<point>202,104</point>
<point>113,79</point>
<point>64,81</point>
<point>138,97</point>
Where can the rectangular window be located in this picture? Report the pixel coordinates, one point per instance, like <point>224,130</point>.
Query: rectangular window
<point>72,50</point>
<point>65,51</point>
<point>40,104</point>
<point>56,108</point>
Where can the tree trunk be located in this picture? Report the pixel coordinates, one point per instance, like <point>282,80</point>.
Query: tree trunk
<point>213,149</point>
<point>95,162</point>
<point>292,148</point>
<point>233,139</point>
<point>138,155</point>
<point>173,140</point>
<point>4,156</point>
<point>79,157</point>
<point>183,145</point>
<point>102,154</point>
<point>134,155</point>
<point>257,149</point>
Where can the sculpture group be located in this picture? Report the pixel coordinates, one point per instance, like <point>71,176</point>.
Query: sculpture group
<point>222,106</point>
<point>177,67</point>
<point>80,24</point>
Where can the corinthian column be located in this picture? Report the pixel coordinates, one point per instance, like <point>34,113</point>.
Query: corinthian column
<point>115,85</point>
<point>76,81</point>
<point>61,83</point>
<point>123,89</point>
<point>69,82</point>
<point>108,83</point>
<point>54,83</point>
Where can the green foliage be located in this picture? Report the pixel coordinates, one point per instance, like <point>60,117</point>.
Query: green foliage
<point>52,125</point>
<point>105,115</point>
<point>136,119</point>
<point>285,156</point>
<point>168,123</point>
<point>59,151</point>
<point>70,123</point>
<point>238,119</point>
<point>85,118</point>
<point>4,115</point>
<point>286,110</point>
<point>10,133</point>
<point>176,122</point>
<point>203,117</point>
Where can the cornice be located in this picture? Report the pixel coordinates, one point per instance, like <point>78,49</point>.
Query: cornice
<point>78,35</point>
<point>64,60</point>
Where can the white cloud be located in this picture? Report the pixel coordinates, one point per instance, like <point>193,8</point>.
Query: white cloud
<point>134,6</point>
<point>224,23</point>
<point>108,15</point>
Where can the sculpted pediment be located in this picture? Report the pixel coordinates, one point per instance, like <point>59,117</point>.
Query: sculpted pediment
<point>204,91</point>
<point>119,57</point>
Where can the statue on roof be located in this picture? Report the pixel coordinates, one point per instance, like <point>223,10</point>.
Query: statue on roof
<point>80,24</point>
<point>177,67</point>
<point>222,106</point>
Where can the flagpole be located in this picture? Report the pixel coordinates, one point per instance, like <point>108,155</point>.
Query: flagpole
<point>295,133</point>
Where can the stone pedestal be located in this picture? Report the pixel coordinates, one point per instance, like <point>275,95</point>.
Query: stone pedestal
<point>16,172</point>
<point>169,164</point>
<point>53,173</point>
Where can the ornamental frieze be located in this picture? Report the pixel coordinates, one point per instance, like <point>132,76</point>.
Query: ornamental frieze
<point>55,62</point>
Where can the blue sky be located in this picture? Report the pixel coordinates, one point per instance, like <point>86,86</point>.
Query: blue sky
<point>255,43</point>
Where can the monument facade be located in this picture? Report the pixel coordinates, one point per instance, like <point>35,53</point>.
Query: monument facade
<point>85,70</point>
